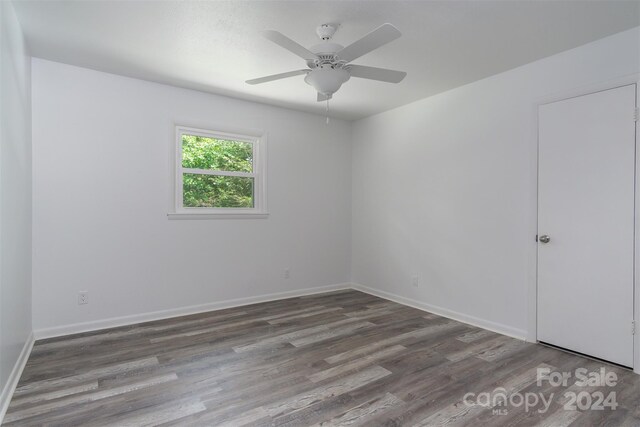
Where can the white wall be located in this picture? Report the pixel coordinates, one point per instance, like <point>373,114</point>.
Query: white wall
<point>15,199</point>
<point>102,149</point>
<point>446,188</point>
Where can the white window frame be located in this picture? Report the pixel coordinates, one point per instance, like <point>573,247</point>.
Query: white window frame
<point>258,175</point>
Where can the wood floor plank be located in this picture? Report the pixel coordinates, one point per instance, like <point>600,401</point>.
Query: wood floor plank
<point>479,347</point>
<point>331,333</point>
<point>156,417</point>
<point>209,330</point>
<point>288,337</point>
<point>331,389</point>
<point>356,364</point>
<point>252,416</point>
<point>92,374</point>
<point>21,414</point>
<point>559,419</point>
<point>363,413</point>
<point>54,394</point>
<point>498,351</point>
<point>307,313</point>
<point>290,313</point>
<point>429,330</point>
<point>475,335</point>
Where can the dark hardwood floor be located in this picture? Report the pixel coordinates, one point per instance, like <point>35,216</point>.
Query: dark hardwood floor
<point>341,358</point>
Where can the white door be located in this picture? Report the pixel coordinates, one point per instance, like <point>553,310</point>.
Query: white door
<point>586,208</point>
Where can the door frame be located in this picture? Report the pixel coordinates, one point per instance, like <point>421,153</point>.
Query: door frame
<point>532,291</point>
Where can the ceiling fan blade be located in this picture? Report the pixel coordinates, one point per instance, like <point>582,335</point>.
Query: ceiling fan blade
<point>323,97</point>
<point>276,77</point>
<point>285,42</point>
<point>373,73</point>
<point>382,35</point>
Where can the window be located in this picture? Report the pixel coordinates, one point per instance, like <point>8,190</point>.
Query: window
<point>219,173</point>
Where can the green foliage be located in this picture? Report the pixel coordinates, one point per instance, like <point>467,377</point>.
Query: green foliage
<point>214,191</point>
<point>209,191</point>
<point>199,152</point>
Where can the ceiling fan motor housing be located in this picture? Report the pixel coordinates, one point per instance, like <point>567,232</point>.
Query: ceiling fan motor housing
<point>326,54</point>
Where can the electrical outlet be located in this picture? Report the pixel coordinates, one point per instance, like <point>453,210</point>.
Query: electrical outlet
<point>287,273</point>
<point>414,280</point>
<point>83,297</point>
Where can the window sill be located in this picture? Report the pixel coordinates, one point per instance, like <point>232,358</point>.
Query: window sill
<point>209,215</point>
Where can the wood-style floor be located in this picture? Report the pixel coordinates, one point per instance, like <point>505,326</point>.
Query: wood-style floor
<point>341,358</point>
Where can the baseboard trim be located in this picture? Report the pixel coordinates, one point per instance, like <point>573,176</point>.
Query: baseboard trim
<point>238,302</point>
<point>14,376</point>
<point>520,334</point>
<point>113,322</point>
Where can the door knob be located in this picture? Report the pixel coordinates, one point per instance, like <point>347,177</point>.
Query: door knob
<point>545,238</point>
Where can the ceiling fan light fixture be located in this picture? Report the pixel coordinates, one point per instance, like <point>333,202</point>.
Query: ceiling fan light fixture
<point>327,80</point>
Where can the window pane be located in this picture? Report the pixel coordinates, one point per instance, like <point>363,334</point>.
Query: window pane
<point>213,191</point>
<point>199,152</point>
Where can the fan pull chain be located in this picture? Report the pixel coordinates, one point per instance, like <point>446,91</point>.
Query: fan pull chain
<point>327,110</point>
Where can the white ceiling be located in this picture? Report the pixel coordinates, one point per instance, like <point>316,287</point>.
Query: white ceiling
<point>215,46</point>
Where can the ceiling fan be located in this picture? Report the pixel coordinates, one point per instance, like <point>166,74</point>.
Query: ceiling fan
<point>329,64</point>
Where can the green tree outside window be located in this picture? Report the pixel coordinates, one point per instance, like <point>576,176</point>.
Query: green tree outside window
<point>217,191</point>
